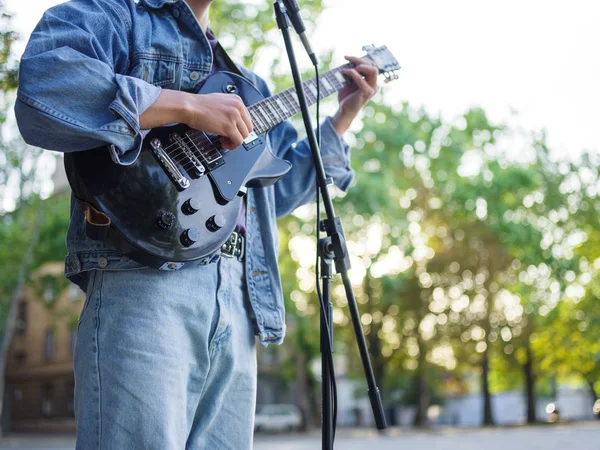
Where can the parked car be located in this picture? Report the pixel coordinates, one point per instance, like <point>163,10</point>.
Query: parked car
<point>277,418</point>
<point>553,412</point>
<point>596,409</point>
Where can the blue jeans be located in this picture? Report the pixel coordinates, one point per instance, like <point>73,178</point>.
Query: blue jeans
<point>166,360</point>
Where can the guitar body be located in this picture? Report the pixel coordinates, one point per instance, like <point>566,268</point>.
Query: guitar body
<point>180,200</point>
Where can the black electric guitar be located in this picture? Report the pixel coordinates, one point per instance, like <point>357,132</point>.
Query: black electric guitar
<point>180,200</point>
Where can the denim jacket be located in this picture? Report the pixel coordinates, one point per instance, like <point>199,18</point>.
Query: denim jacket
<point>92,67</point>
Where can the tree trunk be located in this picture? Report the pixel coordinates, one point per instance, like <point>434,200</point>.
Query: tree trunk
<point>302,385</point>
<point>378,362</point>
<point>592,389</point>
<point>314,399</point>
<point>488,418</point>
<point>529,374</point>
<point>377,359</point>
<point>10,323</point>
<point>420,420</point>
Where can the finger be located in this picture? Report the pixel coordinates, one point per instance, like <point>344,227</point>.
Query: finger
<point>247,120</point>
<point>245,114</point>
<point>360,82</point>
<point>369,71</point>
<point>356,60</point>
<point>232,139</point>
<point>361,61</point>
<point>242,128</point>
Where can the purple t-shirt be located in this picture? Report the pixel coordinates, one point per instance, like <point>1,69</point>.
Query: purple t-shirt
<point>241,221</point>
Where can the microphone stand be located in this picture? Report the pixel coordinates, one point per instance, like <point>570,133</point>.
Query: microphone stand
<point>331,248</point>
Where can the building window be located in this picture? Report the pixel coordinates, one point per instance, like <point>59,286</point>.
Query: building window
<point>75,293</point>
<point>20,357</point>
<point>47,399</point>
<point>22,318</point>
<point>49,295</point>
<point>50,344</point>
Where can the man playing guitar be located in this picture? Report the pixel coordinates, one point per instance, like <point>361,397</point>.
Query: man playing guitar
<point>166,359</point>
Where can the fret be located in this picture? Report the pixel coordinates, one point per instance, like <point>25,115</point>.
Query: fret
<point>326,88</point>
<point>289,100</point>
<point>273,110</point>
<point>263,125</point>
<point>267,110</point>
<point>312,98</point>
<point>312,87</point>
<point>331,80</point>
<point>259,126</point>
<point>340,78</point>
<point>294,99</point>
<point>270,105</point>
<point>282,107</point>
<point>284,96</point>
<point>278,110</point>
<point>263,116</point>
<point>336,80</point>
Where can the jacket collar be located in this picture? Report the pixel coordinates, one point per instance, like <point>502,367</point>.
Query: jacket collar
<point>158,3</point>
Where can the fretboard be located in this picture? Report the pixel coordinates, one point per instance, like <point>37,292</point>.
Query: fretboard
<point>273,110</point>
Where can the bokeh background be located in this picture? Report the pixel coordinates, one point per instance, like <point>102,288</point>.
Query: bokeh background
<point>472,223</point>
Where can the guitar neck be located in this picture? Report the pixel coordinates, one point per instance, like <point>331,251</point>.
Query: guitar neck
<point>273,110</point>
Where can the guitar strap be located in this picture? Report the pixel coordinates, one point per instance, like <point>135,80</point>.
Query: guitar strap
<point>223,60</point>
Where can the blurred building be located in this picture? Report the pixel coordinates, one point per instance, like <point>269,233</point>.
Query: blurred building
<point>39,368</point>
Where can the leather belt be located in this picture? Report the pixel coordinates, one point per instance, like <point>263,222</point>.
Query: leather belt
<point>234,246</point>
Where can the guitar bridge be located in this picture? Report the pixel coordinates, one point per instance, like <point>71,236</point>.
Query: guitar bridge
<point>169,165</point>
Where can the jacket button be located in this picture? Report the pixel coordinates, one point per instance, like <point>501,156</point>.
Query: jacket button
<point>194,76</point>
<point>102,262</point>
<point>176,13</point>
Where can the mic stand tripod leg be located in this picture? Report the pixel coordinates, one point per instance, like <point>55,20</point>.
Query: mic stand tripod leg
<point>326,334</point>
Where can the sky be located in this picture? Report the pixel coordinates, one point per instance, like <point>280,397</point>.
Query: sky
<point>536,58</point>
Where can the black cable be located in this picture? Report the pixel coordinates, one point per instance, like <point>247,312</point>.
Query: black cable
<point>324,307</point>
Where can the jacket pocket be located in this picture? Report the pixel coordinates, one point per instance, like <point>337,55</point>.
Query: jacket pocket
<point>156,69</point>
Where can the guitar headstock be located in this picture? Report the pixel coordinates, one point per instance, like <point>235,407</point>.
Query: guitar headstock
<point>384,60</point>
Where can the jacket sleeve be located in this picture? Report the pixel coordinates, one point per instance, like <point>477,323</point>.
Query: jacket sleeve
<point>297,188</point>
<point>73,94</point>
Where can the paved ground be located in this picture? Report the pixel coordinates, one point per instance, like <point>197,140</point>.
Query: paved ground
<point>580,436</point>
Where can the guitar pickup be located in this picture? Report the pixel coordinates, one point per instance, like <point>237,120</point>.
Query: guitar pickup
<point>205,147</point>
<point>197,168</point>
<point>253,140</point>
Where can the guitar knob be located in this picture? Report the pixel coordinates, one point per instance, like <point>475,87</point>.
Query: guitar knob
<point>216,222</point>
<point>190,236</point>
<point>191,206</point>
<point>165,220</point>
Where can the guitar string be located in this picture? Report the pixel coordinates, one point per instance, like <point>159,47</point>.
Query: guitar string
<point>268,104</point>
<point>185,156</point>
<point>182,157</point>
<point>271,101</point>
